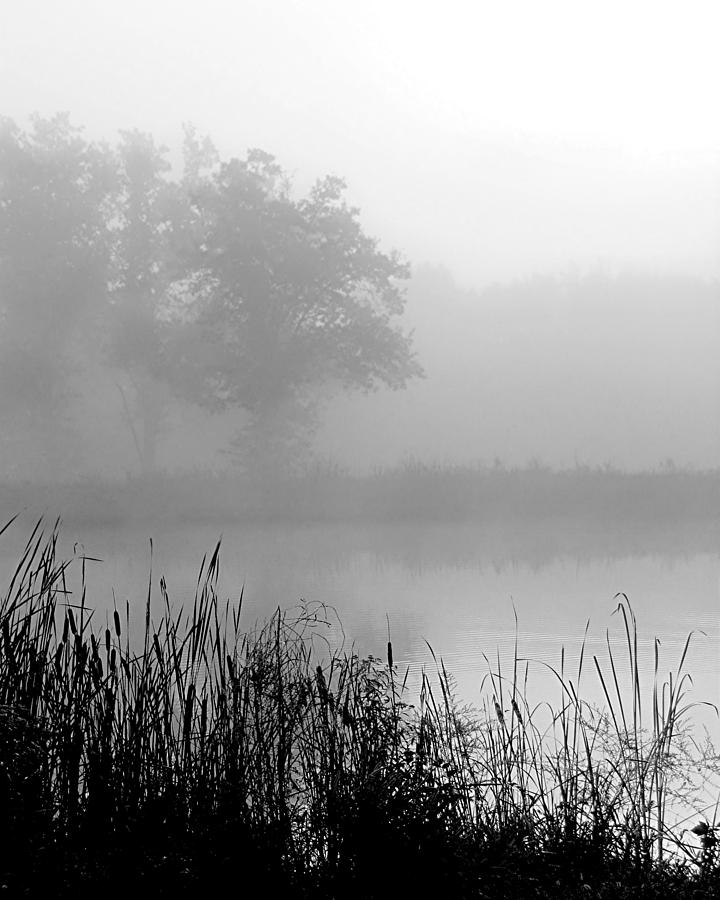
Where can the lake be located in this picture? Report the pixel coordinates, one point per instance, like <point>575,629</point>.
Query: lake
<point>454,587</point>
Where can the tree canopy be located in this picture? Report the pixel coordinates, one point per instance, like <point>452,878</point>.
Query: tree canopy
<point>217,286</point>
<point>296,294</point>
<point>54,189</point>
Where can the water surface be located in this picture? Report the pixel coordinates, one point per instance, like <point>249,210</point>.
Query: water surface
<point>457,588</point>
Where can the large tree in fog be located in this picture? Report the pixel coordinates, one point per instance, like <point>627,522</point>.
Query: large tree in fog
<point>54,189</point>
<point>295,297</point>
<point>218,287</point>
<point>229,292</point>
<point>149,259</point>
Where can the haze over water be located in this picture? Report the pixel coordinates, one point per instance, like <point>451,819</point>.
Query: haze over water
<point>552,175</point>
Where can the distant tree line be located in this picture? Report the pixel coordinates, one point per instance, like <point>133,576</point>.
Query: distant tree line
<point>213,286</point>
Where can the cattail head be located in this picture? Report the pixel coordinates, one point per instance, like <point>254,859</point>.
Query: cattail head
<point>498,712</point>
<point>321,683</point>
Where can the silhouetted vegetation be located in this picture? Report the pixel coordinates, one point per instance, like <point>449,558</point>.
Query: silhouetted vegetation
<point>207,755</point>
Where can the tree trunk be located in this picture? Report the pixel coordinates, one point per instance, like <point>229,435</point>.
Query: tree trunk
<point>146,420</point>
<point>151,406</point>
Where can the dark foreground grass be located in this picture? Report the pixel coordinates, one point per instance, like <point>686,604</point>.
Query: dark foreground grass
<point>204,758</point>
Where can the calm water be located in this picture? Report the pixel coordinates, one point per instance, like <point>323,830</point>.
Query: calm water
<point>455,587</point>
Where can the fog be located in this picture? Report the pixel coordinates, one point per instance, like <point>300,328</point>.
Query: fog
<point>550,174</point>
<point>416,304</point>
<point>499,141</point>
<point>345,344</point>
<point>576,370</point>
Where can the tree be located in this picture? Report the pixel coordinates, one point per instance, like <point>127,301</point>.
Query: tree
<point>217,288</point>
<point>54,188</point>
<point>147,212</point>
<point>293,296</point>
<point>153,287</point>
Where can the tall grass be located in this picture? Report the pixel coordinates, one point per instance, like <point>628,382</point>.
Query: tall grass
<point>201,752</point>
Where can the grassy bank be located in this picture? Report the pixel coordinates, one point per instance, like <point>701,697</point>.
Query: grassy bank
<point>207,754</point>
<point>412,492</point>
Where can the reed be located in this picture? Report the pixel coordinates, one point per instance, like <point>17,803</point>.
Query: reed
<point>201,752</point>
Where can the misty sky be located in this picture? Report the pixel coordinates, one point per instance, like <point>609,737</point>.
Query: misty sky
<point>499,139</point>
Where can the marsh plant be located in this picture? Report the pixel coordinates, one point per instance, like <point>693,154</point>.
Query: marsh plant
<point>199,754</point>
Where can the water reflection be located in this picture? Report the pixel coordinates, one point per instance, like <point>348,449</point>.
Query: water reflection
<point>455,587</point>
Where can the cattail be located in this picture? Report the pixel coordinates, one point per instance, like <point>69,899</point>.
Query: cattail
<point>499,712</point>
<point>516,710</point>
<point>116,617</point>
<point>322,685</point>
<point>389,655</point>
<point>348,719</point>
<point>187,719</point>
<point>203,716</point>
